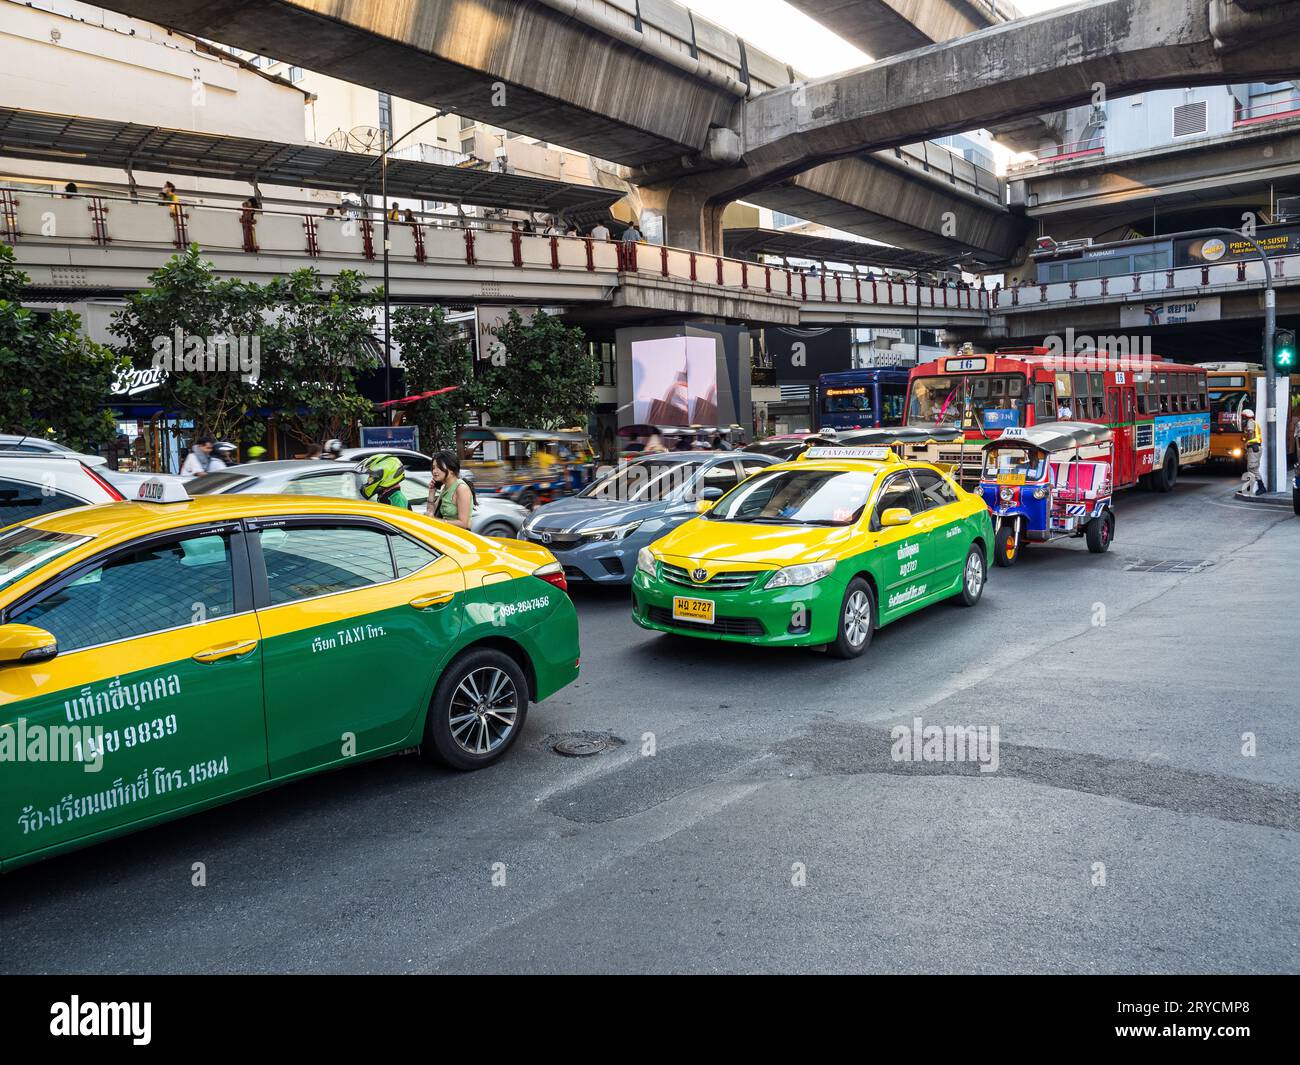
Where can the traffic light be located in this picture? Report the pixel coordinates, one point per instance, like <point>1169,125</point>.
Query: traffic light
<point>1284,351</point>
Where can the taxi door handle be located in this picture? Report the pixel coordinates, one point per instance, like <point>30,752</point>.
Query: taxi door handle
<point>225,650</point>
<point>424,602</point>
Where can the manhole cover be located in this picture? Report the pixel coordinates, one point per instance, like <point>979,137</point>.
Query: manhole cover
<point>1167,565</point>
<point>585,744</point>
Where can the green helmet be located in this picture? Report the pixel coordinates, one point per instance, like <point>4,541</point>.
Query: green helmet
<point>378,476</point>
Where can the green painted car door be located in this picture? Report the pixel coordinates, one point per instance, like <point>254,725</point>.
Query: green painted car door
<point>355,618</point>
<point>941,516</point>
<point>156,689</point>
<point>901,555</point>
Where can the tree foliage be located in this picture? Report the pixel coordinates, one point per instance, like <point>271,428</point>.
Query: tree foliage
<point>316,352</point>
<point>185,322</point>
<point>435,355</point>
<point>54,380</point>
<point>544,376</point>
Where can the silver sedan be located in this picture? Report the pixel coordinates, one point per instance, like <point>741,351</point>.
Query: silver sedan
<point>335,478</point>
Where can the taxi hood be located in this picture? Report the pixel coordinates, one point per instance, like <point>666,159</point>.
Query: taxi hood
<point>770,546</point>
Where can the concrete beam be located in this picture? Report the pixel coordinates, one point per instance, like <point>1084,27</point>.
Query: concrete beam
<point>1209,170</point>
<point>549,69</point>
<point>1048,62</point>
<point>883,28</point>
<point>879,197</point>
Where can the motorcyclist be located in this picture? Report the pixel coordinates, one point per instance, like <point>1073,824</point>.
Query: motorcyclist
<point>379,479</point>
<point>332,449</point>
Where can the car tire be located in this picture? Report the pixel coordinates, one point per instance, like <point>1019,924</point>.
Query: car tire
<point>858,607</point>
<point>1164,479</point>
<point>1100,532</point>
<point>1007,549</point>
<point>500,529</point>
<point>974,575</point>
<point>527,499</point>
<point>458,732</point>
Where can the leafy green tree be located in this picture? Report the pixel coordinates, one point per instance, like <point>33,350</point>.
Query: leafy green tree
<point>54,381</point>
<point>543,375</point>
<point>318,348</point>
<point>435,355</point>
<point>206,333</point>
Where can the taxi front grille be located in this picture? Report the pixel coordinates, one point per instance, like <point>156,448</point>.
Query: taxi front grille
<point>726,581</point>
<point>724,625</point>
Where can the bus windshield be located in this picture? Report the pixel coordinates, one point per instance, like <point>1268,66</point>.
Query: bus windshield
<point>854,400</point>
<point>1225,408</point>
<point>969,401</point>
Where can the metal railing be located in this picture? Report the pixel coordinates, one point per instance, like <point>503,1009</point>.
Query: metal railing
<point>1269,112</point>
<point>1060,153</point>
<point>28,217</point>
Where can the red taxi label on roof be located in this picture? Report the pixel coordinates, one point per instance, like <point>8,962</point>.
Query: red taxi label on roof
<point>157,491</point>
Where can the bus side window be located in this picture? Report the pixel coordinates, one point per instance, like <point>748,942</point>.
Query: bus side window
<point>1081,395</point>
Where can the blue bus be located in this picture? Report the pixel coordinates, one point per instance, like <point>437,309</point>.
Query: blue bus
<point>860,399</point>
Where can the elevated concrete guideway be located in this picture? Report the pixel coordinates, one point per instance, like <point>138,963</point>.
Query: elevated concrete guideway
<point>883,28</point>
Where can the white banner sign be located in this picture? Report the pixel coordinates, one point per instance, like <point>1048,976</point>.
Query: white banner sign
<point>1170,312</point>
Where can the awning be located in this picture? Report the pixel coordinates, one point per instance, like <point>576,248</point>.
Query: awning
<point>122,145</point>
<point>750,243</point>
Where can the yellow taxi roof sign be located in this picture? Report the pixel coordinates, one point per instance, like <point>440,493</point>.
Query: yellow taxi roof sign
<point>877,453</point>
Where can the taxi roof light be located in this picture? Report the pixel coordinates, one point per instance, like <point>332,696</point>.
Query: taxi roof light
<point>155,490</point>
<point>877,453</point>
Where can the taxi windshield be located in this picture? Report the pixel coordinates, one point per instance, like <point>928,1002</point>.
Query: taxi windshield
<point>642,482</point>
<point>23,550</point>
<point>1023,462</point>
<point>797,497</point>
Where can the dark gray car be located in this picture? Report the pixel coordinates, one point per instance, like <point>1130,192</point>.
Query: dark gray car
<point>597,533</point>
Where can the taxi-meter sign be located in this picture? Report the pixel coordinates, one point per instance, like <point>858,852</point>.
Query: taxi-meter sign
<point>877,454</point>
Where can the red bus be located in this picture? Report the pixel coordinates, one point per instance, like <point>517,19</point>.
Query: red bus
<point>1157,410</point>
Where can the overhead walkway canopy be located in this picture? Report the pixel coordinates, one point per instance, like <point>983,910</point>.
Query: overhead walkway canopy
<point>750,243</point>
<point>131,146</point>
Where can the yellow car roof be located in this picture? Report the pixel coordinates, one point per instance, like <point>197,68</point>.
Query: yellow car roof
<point>129,518</point>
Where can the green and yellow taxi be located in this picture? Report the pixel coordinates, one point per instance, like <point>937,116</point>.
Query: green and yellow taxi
<point>819,551</point>
<point>161,657</point>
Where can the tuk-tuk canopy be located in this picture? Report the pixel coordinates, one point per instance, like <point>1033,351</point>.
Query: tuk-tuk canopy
<point>1054,436</point>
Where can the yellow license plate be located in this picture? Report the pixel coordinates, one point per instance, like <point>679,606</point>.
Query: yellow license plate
<point>685,609</point>
<point>1011,478</point>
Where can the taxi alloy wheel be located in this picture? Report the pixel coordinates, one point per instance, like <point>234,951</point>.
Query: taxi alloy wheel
<point>973,576</point>
<point>857,620</point>
<point>478,709</point>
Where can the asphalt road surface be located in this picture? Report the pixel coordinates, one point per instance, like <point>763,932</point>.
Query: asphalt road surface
<point>1124,829</point>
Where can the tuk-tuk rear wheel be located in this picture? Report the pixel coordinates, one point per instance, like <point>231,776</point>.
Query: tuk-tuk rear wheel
<point>1100,532</point>
<point>1007,548</point>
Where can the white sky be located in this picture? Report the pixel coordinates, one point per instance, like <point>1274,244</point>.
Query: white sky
<point>792,37</point>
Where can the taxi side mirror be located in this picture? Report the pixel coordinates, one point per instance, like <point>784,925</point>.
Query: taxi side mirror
<point>895,516</point>
<point>22,644</point>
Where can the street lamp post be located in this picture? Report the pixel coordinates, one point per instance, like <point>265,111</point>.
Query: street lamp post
<point>387,146</point>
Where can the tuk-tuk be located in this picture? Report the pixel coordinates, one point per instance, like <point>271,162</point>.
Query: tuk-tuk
<point>1046,482</point>
<point>525,466</point>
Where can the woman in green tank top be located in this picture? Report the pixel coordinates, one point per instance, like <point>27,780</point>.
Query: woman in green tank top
<point>451,499</point>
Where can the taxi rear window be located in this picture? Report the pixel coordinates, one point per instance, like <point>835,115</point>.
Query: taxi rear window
<point>23,550</point>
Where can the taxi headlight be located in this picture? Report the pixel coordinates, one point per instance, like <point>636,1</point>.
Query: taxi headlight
<point>1007,495</point>
<point>645,562</point>
<point>1040,493</point>
<point>611,532</point>
<point>798,576</point>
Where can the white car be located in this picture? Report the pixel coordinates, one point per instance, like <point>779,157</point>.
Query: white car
<point>33,483</point>
<point>335,477</point>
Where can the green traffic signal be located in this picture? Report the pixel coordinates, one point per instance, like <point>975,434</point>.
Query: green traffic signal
<point>1284,350</point>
